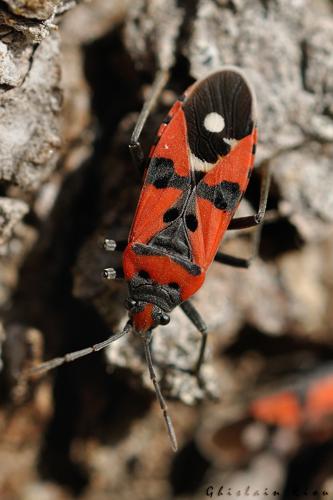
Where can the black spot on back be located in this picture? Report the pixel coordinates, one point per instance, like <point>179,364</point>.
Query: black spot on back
<point>171,214</point>
<point>226,93</point>
<point>161,183</point>
<point>224,196</point>
<point>191,222</point>
<point>220,202</point>
<point>161,174</point>
<point>254,149</point>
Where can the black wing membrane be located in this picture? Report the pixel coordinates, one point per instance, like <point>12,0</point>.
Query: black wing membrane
<point>228,94</point>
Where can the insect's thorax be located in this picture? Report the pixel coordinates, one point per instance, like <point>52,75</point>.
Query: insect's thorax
<point>157,282</point>
<point>156,276</point>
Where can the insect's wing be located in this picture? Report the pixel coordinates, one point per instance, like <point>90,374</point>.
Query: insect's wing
<point>166,179</point>
<point>282,408</point>
<point>319,402</point>
<point>220,119</point>
<point>205,148</point>
<point>217,198</point>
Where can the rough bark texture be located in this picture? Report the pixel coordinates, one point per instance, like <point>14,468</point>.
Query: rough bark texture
<point>71,86</point>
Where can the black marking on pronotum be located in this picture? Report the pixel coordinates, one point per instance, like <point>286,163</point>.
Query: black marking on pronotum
<point>161,174</point>
<point>224,196</point>
<point>227,94</point>
<point>141,249</point>
<point>149,291</point>
<point>162,296</point>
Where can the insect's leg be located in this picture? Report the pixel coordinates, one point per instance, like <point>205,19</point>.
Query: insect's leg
<point>248,222</point>
<point>199,323</point>
<point>231,260</point>
<point>72,356</point>
<point>135,146</point>
<point>160,398</point>
<point>255,220</point>
<point>240,262</point>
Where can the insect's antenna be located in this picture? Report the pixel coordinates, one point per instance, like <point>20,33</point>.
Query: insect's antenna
<point>72,356</point>
<point>163,405</point>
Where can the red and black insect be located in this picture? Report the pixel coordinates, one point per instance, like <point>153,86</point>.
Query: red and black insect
<point>193,182</point>
<point>304,403</point>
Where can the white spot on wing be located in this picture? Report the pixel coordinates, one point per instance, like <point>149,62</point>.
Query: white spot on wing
<point>214,122</point>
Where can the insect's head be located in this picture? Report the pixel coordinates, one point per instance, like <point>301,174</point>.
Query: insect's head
<point>145,316</point>
<point>150,300</point>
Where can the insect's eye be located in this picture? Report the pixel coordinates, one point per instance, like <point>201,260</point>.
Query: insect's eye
<point>130,303</point>
<point>143,274</point>
<point>164,319</point>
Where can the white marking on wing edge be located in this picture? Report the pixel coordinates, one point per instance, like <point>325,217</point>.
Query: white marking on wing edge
<point>197,164</point>
<point>232,142</point>
<point>214,122</point>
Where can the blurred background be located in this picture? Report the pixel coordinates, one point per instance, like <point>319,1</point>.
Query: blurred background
<point>73,78</point>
